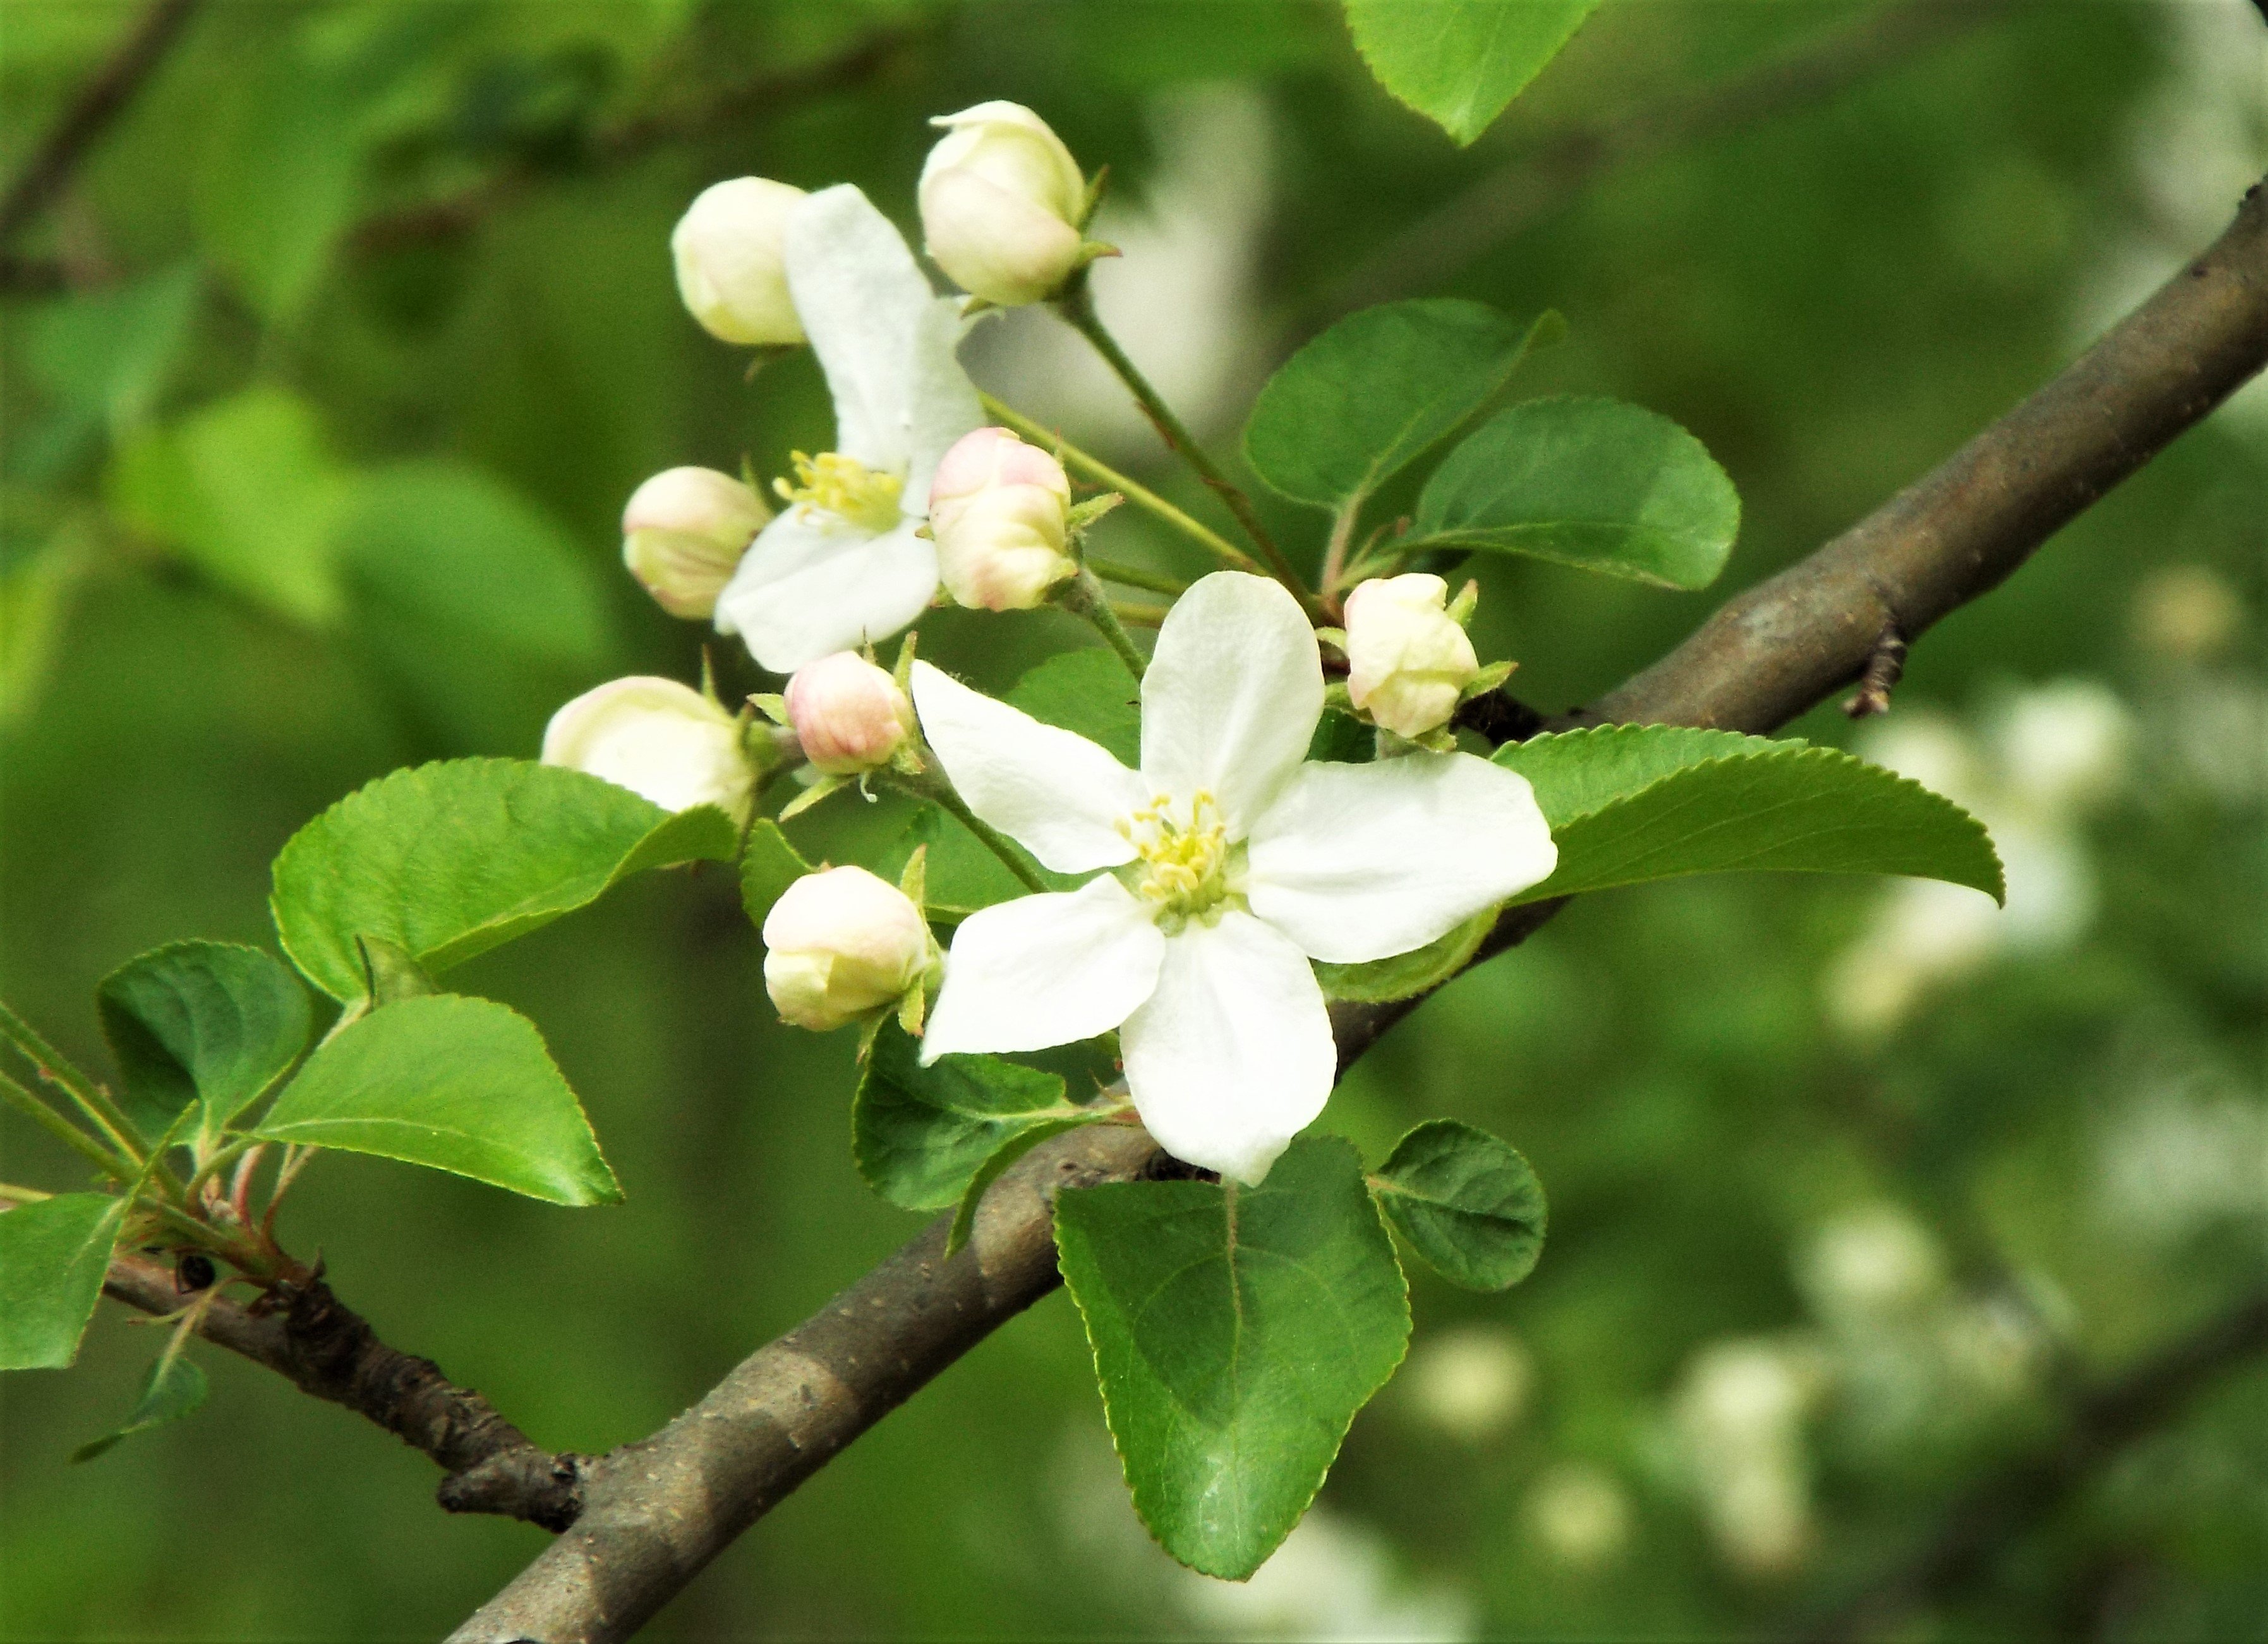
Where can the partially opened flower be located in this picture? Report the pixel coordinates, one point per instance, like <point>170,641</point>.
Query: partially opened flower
<point>662,740</point>
<point>843,566</point>
<point>1238,862</point>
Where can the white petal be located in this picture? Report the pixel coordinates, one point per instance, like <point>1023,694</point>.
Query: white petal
<point>1232,1056</point>
<point>1045,970</point>
<point>1050,790</point>
<point>1232,696</point>
<point>885,341</point>
<point>814,583</point>
<point>1358,862</point>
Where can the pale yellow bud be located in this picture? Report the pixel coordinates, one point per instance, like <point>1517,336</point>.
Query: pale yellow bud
<point>730,267</point>
<point>1001,200</point>
<point>1000,513</point>
<point>1408,660</point>
<point>660,739</point>
<point>843,945</point>
<point>684,533</point>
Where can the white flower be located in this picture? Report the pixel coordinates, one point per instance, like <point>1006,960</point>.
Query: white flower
<point>1001,201</point>
<point>849,714</point>
<point>727,249</point>
<point>1001,511</point>
<point>660,739</point>
<point>1408,660</point>
<point>683,532</point>
<point>844,566</point>
<point>1242,863</point>
<point>841,945</point>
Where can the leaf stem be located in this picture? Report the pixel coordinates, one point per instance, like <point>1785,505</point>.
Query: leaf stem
<point>25,1102</point>
<point>55,1068</point>
<point>1141,495</point>
<point>15,1195</point>
<point>1083,596</point>
<point>1136,577</point>
<point>1077,307</point>
<point>1334,552</point>
<point>931,785</point>
<point>1138,613</point>
<point>221,1159</point>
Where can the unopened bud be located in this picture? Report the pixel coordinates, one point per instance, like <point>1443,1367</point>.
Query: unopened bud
<point>1001,203</point>
<point>730,271</point>
<point>843,945</point>
<point>660,739</point>
<point>849,714</point>
<point>1000,513</point>
<point>1408,659</point>
<point>684,533</point>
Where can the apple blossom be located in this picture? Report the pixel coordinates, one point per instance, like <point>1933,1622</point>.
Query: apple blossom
<point>846,565</point>
<point>684,533</point>
<point>1000,513</point>
<point>841,945</point>
<point>849,714</point>
<point>1238,863</point>
<point>1408,660</point>
<point>730,268</point>
<point>660,739</point>
<point>1001,204</point>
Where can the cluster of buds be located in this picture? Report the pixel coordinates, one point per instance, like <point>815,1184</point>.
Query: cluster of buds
<point>1410,661</point>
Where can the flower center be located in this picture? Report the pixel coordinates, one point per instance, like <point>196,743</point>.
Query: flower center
<point>1184,867</point>
<point>845,486</point>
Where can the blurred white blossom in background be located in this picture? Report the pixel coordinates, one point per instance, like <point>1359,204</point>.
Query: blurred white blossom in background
<point>1580,1514</point>
<point>1739,1413</point>
<point>1472,1382</point>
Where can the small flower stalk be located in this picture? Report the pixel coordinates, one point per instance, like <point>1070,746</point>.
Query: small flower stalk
<point>683,533</point>
<point>665,742</point>
<point>1410,662</point>
<point>1004,206</point>
<point>1000,513</point>
<point>729,248</point>
<point>844,947</point>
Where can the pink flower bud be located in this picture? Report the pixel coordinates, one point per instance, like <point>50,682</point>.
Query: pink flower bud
<point>1001,200</point>
<point>684,532</point>
<point>841,945</point>
<point>1000,513</point>
<point>849,714</point>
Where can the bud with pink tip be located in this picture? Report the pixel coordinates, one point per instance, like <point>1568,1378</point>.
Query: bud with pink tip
<point>1409,659</point>
<point>841,945</point>
<point>849,714</point>
<point>662,740</point>
<point>730,265</point>
<point>1001,204</point>
<point>683,533</point>
<point>1000,511</point>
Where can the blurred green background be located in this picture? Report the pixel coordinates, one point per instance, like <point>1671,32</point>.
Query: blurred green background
<point>325,381</point>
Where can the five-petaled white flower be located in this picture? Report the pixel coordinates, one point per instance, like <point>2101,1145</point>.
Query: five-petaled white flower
<point>1238,863</point>
<point>843,566</point>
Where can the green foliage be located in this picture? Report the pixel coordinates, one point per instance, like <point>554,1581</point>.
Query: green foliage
<point>449,860</point>
<point>1360,403</point>
<point>53,1256</point>
<point>1467,1203</point>
<point>1664,801</point>
<point>172,1387</point>
<point>769,865</point>
<point>456,1084</point>
<point>248,490</point>
<point>919,1134</point>
<point>1088,692</point>
<point>1591,483</point>
<point>1459,63</point>
<point>1236,1332</point>
<point>104,356</point>
<point>207,1021</point>
<point>1402,975</point>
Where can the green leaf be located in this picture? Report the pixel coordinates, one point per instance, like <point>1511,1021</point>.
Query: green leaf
<point>447,861</point>
<point>104,356</point>
<point>1402,975</point>
<point>920,1133</point>
<point>249,491</point>
<point>1089,692</point>
<point>1628,803</point>
<point>1236,1332</point>
<point>201,1020</point>
<point>1468,1202</point>
<point>769,865</point>
<point>1591,483</point>
<point>1459,63</point>
<point>171,1388</point>
<point>1343,739</point>
<point>972,1197</point>
<point>458,1084</point>
<point>53,1257</point>
<point>390,974</point>
<point>1369,395</point>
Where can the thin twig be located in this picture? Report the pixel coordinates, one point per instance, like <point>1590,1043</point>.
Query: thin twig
<point>92,113</point>
<point>660,1509</point>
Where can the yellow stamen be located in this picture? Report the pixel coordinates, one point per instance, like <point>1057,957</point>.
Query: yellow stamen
<point>843,485</point>
<point>1184,863</point>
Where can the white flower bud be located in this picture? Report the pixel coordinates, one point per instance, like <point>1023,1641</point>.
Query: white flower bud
<point>660,739</point>
<point>684,533</point>
<point>1001,200</point>
<point>1000,513</point>
<point>1408,659</point>
<point>841,945</point>
<point>727,247</point>
<point>849,714</point>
